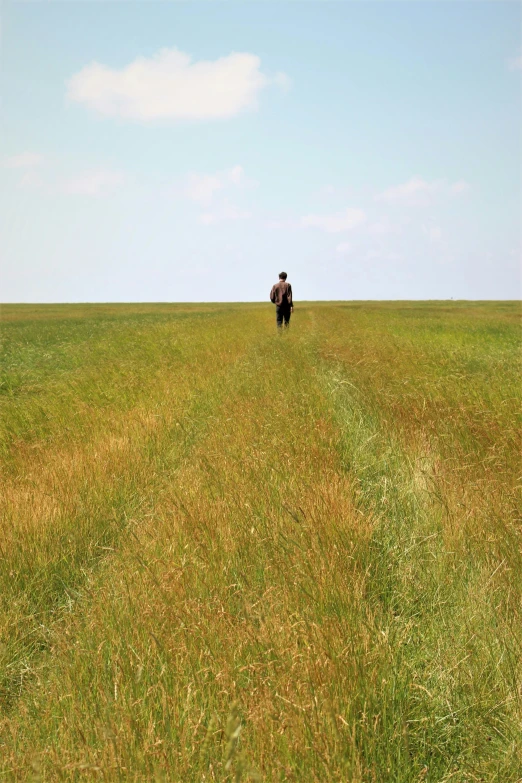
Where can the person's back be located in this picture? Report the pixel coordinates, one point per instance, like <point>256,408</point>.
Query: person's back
<point>281,296</point>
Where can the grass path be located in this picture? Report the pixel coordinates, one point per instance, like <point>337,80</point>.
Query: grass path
<point>234,555</point>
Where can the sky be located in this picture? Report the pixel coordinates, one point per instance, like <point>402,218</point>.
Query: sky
<point>190,151</point>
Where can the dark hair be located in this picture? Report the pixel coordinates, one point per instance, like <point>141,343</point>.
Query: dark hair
<point>282,275</point>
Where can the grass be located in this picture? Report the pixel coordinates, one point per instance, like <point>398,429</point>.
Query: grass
<point>233,555</point>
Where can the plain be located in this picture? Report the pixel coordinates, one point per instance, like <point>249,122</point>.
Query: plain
<point>232,554</point>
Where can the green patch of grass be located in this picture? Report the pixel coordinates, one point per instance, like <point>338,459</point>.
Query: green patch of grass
<point>231,554</point>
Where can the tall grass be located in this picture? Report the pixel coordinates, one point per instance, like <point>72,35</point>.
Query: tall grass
<point>229,554</point>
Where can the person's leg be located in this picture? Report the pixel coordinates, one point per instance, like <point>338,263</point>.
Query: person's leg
<point>279,316</point>
<point>287,317</point>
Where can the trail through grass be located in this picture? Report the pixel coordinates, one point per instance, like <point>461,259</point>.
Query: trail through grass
<point>229,554</point>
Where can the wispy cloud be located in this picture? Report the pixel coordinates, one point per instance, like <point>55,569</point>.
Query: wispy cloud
<point>335,223</point>
<point>460,187</point>
<point>343,248</point>
<point>170,86</point>
<point>214,191</point>
<point>283,81</point>
<point>224,212</point>
<point>97,182</point>
<point>418,191</point>
<point>202,188</point>
<point>515,63</point>
<point>25,160</point>
<point>433,232</point>
<point>382,254</point>
<point>93,182</point>
<point>327,190</point>
<point>384,226</point>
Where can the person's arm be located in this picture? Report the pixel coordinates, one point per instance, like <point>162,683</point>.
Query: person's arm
<point>290,297</point>
<point>272,294</point>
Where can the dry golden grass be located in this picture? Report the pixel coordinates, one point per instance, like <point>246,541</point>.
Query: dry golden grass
<point>229,554</point>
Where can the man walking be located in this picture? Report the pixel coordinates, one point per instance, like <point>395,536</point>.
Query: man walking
<point>281,296</point>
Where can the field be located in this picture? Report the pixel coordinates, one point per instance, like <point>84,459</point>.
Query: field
<point>229,554</point>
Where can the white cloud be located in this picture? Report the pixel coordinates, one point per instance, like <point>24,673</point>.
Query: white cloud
<point>223,212</point>
<point>236,175</point>
<point>31,179</point>
<point>94,182</point>
<point>433,232</point>
<point>343,193</point>
<point>202,188</point>
<point>169,86</point>
<point>97,182</point>
<point>26,160</point>
<point>343,248</point>
<point>327,190</point>
<point>336,223</point>
<point>383,226</point>
<point>460,187</point>
<point>515,63</point>
<point>383,255</point>
<point>283,81</point>
<point>210,191</point>
<point>418,191</point>
<point>281,221</point>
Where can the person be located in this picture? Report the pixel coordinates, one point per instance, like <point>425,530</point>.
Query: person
<point>281,296</point>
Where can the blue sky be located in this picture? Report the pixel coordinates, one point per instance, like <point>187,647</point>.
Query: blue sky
<point>190,151</point>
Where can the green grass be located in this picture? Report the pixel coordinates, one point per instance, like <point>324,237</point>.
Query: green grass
<point>231,554</point>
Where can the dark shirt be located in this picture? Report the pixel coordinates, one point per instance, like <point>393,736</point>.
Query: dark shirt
<point>281,294</point>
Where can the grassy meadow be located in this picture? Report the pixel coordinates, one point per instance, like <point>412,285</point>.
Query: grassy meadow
<point>229,554</point>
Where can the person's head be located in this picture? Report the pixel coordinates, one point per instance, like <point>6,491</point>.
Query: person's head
<point>282,275</point>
